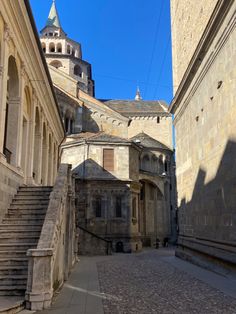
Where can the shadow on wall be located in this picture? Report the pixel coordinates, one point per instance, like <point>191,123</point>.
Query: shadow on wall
<point>89,169</point>
<point>89,124</point>
<point>211,213</point>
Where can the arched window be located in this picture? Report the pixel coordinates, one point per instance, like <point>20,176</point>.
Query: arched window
<point>166,166</point>
<point>98,207</point>
<point>161,165</point>
<point>59,48</point>
<point>78,71</point>
<point>145,165</point>
<point>67,125</point>
<point>11,139</point>
<point>51,47</point>
<point>56,64</point>
<point>154,167</point>
<point>44,47</point>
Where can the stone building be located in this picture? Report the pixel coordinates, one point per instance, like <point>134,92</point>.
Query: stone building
<point>204,71</point>
<point>30,124</point>
<point>37,221</point>
<point>98,127</point>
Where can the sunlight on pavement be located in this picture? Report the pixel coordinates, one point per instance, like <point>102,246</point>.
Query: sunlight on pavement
<point>100,295</point>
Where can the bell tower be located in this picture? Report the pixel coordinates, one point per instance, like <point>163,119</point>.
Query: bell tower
<point>64,53</point>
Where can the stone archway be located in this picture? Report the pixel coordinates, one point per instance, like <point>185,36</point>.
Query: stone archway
<point>152,206</point>
<point>11,134</point>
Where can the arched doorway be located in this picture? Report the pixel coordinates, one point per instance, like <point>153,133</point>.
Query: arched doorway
<point>12,117</point>
<point>119,247</point>
<point>152,205</point>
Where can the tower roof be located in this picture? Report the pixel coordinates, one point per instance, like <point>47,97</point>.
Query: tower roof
<point>53,18</point>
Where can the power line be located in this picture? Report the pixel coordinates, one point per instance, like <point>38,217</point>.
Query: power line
<point>130,80</point>
<point>165,54</point>
<point>154,46</point>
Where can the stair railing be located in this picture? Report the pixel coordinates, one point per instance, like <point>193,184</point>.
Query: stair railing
<point>50,263</point>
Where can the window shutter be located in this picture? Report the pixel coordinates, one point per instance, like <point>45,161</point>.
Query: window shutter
<point>108,159</point>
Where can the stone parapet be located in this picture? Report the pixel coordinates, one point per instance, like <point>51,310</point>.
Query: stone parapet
<point>50,263</point>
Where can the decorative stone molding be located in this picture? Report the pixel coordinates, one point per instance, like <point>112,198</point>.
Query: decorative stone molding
<point>1,70</point>
<point>7,33</point>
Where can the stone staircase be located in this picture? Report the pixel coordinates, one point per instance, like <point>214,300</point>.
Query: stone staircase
<point>19,231</point>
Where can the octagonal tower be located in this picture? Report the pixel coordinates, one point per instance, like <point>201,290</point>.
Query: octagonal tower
<point>64,53</point>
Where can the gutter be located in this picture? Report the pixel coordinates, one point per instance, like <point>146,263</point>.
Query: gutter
<point>31,17</point>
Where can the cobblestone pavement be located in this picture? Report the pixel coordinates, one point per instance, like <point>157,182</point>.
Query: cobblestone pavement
<point>145,283</point>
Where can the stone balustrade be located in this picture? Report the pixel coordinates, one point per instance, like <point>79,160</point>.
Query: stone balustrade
<point>50,263</point>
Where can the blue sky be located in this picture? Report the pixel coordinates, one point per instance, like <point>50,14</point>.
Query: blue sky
<point>128,43</point>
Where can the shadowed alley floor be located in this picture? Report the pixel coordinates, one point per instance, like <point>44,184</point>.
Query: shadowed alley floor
<point>153,281</point>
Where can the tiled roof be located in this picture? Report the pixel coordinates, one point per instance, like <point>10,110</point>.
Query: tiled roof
<point>136,107</point>
<point>97,137</point>
<point>147,141</point>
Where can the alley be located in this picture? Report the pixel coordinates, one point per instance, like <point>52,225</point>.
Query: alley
<point>153,281</point>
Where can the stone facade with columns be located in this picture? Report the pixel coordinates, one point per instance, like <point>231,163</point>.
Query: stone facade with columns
<point>30,124</point>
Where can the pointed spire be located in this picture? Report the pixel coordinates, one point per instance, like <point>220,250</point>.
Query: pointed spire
<point>53,18</point>
<point>138,94</point>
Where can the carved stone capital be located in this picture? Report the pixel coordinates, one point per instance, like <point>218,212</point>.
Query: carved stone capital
<point>7,33</point>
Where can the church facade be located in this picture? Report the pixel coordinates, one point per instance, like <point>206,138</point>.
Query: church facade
<point>121,152</point>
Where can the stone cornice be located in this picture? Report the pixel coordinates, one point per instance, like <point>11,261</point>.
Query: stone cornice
<point>215,22</point>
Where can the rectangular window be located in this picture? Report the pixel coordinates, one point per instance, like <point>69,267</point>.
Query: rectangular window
<point>118,206</point>
<point>98,207</point>
<point>108,159</point>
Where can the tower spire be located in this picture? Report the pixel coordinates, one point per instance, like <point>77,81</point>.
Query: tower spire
<point>53,18</point>
<point>138,94</point>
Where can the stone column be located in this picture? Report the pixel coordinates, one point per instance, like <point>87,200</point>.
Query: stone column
<point>30,161</point>
<point>3,88</point>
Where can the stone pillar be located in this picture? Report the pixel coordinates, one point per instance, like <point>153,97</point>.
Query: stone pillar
<point>3,89</point>
<point>39,291</point>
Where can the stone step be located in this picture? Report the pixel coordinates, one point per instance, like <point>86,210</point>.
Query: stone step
<point>28,206</point>
<point>13,270</point>
<point>27,211</point>
<point>35,189</point>
<point>11,304</point>
<point>17,246</point>
<point>30,202</point>
<point>15,280</point>
<point>19,221</point>
<point>25,227</point>
<point>12,290</point>
<point>27,216</point>
<point>13,254</point>
<point>19,233</point>
<point>20,197</point>
<point>34,193</point>
<point>5,239</point>
<point>14,261</point>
